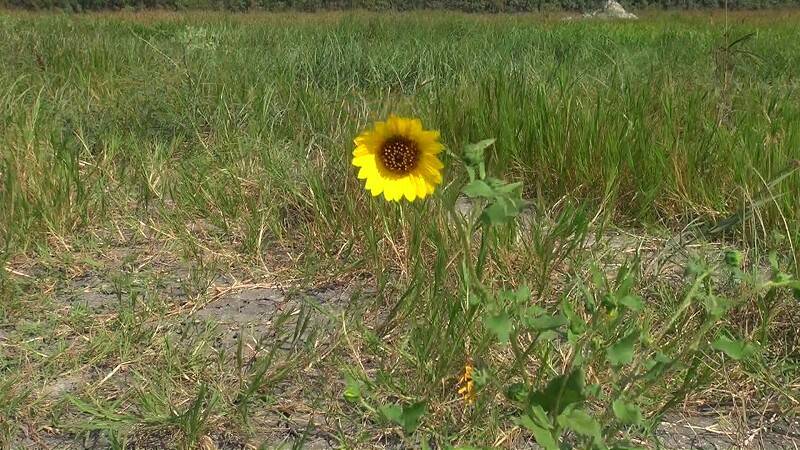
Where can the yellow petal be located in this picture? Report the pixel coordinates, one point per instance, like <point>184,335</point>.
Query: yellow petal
<point>398,126</point>
<point>362,138</point>
<point>409,186</point>
<point>388,190</point>
<point>381,129</point>
<point>414,128</point>
<point>364,160</point>
<point>430,167</point>
<point>431,147</point>
<point>367,172</point>
<point>429,135</point>
<point>419,185</point>
<point>362,150</point>
<point>434,162</point>
<point>398,189</point>
<point>375,184</point>
<point>430,187</point>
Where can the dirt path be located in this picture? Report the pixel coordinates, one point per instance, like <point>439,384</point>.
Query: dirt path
<point>227,305</point>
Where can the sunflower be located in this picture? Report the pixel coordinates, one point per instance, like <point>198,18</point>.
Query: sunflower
<point>398,159</point>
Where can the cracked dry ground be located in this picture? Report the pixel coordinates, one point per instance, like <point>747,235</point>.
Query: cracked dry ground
<point>128,324</point>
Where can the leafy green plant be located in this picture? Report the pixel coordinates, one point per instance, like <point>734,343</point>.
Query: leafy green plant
<point>599,326</point>
<point>407,416</point>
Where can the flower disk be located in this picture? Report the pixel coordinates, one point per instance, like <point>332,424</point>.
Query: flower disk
<point>398,159</point>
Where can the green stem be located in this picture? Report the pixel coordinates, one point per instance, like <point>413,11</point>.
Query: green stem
<point>485,230</point>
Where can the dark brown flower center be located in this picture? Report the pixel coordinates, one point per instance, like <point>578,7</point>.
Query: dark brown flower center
<point>399,155</point>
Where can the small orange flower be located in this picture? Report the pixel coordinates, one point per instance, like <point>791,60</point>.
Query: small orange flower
<point>467,384</point>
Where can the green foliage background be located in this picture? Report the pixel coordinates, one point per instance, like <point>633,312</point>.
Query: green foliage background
<point>383,5</point>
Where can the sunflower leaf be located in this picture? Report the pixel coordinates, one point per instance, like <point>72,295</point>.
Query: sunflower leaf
<point>407,417</point>
<point>502,209</point>
<point>473,153</point>
<point>581,422</point>
<point>352,391</point>
<point>546,322</point>
<point>540,433</point>
<point>496,213</point>
<point>561,391</point>
<point>621,352</point>
<point>478,188</point>
<point>716,306</point>
<point>508,188</point>
<point>474,158</point>
<point>627,413</point>
<point>393,413</point>
<point>500,325</point>
<point>734,348</point>
<point>632,302</point>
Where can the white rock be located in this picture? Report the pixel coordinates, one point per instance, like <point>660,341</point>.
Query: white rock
<point>611,10</point>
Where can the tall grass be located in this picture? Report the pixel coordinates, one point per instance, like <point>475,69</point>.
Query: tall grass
<point>247,121</point>
<point>226,140</point>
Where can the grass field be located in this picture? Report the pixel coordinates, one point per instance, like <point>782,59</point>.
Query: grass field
<point>189,260</point>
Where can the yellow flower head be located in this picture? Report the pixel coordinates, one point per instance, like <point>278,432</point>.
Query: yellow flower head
<point>398,159</point>
<point>467,384</point>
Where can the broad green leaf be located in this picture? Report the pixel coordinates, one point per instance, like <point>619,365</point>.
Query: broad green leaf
<point>406,417</point>
<point>542,436</point>
<point>627,413</point>
<point>609,301</point>
<point>534,311</point>
<point>545,336</point>
<point>352,391</point>
<point>592,390</point>
<point>632,302</point>
<point>716,306</point>
<point>734,348</point>
<point>581,423</point>
<point>576,323</point>
<point>561,391</point>
<point>505,188</point>
<point>734,258</point>
<point>501,210</point>
<point>392,412</point>
<point>471,173</point>
<point>546,322</point>
<point>523,294</point>
<point>496,213</point>
<point>473,153</point>
<point>517,392</point>
<point>412,415</point>
<point>657,366</point>
<point>478,188</point>
<point>539,416</point>
<point>621,352</point>
<point>481,377</point>
<point>475,159</point>
<point>500,325</point>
